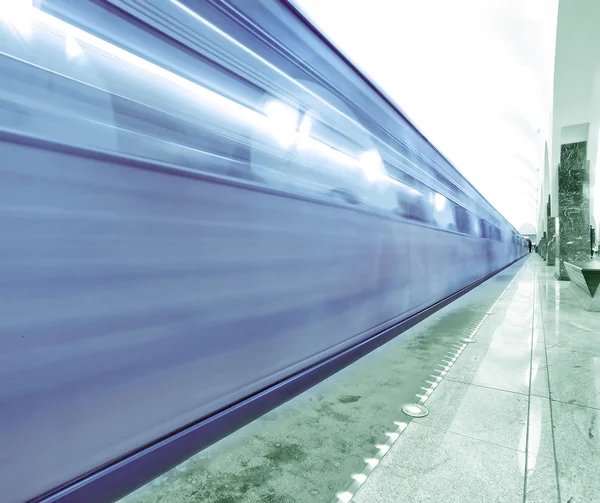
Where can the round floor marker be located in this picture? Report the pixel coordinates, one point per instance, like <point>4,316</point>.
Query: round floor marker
<point>415,410</point>
<point>468,340</point>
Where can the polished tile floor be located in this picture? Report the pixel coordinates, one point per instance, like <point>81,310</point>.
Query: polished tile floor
<point>515,418</point>
<point>512,416</point>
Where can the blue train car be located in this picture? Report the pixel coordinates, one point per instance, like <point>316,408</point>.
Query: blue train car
<point>199,200</point>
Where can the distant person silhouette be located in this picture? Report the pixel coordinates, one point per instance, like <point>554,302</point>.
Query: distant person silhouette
<point>529,243</point>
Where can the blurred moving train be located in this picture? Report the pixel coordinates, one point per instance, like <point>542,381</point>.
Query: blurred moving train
<point>199,199</point>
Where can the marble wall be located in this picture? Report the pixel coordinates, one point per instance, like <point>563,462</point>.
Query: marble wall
<point>572,240</point>
<point>551,242</point>
<point>550,249</point>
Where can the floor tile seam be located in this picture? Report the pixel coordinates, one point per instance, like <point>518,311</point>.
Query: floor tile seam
<point>529,394</point>
<point>553,339</point>
<point>537,395</point>
<point>574,331</point>
<point>501,326</point>
<point>453,379</point>
<point>496,325</point>
<point>575,404</point>
<point>464,435</point>
<point>580,314</point>
<point>502,335</point>
<point>553,346</point>
<point>486,346</point>
<point>500,339</point>
<point>581,469</point>
<point>553,436</point>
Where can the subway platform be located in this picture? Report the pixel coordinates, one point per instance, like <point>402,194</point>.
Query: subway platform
<point>509,376</point>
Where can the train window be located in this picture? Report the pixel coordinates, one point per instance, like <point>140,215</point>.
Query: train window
<point>463,220</point>
<point>413,207</point>
<point>443,215</point>
<point>489,231</point>
<point>485,233</point>
<point>475,228</point>
<point>497,235</point>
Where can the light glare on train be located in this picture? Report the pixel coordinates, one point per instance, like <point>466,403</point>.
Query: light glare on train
<point>304,140</point>
<point>283,121</point>
<point>305,126</point>
<point>440,202</point>
<point>73,48</point>
<point>371,164</point>
<point>18,14</point>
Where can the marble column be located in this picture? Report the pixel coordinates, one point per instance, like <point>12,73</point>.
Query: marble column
<point>551,235</point>
<point>543,246</point>
<point>572,230</point>
<point>551,244</point>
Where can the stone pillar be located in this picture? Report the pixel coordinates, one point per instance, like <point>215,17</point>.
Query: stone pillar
<point>572,230</point>
<point>543,248</point>
<point>550,235</point>
<point>551,246</point>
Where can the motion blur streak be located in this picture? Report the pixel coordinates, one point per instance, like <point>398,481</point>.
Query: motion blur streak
<point>186,221</point>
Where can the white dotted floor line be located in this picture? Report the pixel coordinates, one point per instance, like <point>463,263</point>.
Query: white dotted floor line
<point>448,361</point>
<point>360,478</point>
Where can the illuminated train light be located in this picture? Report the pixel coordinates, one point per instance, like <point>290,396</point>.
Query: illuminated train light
<point>283,121</point>
<point>440,202</point>
<point>18,14</point>
<point>371,164</point>
<point>304,133</point>
<point>305,127</point>
<point>73,48</point>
